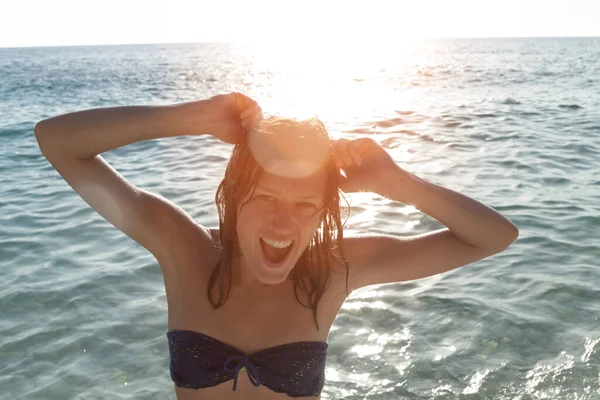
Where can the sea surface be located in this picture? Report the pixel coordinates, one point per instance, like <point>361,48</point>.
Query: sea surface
<point>513,123</point>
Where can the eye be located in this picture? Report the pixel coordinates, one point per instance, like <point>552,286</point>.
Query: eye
<point>265,197</point>
<point>306,205</point>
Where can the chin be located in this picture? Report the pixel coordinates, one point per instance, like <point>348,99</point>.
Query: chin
<point>272,280</point>
<point>272,276</point>
<point>269,275</point>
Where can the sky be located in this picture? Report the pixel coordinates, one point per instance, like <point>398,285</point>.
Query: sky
<point>26,23</point>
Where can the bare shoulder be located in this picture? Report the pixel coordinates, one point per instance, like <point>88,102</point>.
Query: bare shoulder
<point>185,241</point>
<point>177,222</point>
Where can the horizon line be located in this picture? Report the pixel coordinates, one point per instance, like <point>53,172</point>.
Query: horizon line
<point>245,42</point>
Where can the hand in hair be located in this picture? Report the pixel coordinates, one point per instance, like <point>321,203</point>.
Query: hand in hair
<point>364,164</point>
<point>230,115</point>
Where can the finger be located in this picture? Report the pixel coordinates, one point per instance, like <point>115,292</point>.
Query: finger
<point>249,112</point>
<point>243,102</point>
<point>258,116</point>
<point>351,146</point>
<point>349,160</point>
<point>253,119</point>
<point>246,122</point>
<point>350,155</point>
<point>362,145</point>
<point>342,152</point>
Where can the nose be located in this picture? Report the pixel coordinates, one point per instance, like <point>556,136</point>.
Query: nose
<point>282,221</point>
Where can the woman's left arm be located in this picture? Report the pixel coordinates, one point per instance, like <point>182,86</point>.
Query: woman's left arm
<point>469,220</point>
<point>473,230</point>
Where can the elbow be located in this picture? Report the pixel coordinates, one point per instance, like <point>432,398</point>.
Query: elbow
<point>42,128</point>
<point>38,130</point>
<point>511,236</point>
<point>509,233</point>
<point>514,233</point>
<point>41,133</point>
<point>503,240</point>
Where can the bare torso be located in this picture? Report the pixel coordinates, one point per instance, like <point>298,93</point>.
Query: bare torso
<point>249,320</point>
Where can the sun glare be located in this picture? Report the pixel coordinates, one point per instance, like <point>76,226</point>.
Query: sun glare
<point>330,60</point>
<point>333,81</point>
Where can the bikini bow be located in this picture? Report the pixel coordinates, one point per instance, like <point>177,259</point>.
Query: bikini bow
<point>253,373</point>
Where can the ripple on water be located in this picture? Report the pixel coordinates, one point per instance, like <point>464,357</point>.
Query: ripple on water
<point>81,300</point>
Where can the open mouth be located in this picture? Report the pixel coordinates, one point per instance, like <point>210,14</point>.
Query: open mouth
<point>275,253</point>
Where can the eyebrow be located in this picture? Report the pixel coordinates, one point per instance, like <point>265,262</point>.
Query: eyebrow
<point>311,196</point>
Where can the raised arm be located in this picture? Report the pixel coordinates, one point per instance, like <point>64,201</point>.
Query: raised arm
<point>473,230</point>
<point>72,144</point>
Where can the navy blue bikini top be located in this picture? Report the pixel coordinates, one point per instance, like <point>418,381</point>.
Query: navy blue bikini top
<point>200,361</point>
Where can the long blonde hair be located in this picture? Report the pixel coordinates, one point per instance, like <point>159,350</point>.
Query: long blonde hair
<point>312,272</point>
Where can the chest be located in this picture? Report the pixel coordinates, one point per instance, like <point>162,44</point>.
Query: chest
<point>248,320</point>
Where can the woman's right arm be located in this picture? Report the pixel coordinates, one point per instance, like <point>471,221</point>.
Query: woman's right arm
<point>72,144</point>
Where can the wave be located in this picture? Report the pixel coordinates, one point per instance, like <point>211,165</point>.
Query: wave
<point>570,106</point>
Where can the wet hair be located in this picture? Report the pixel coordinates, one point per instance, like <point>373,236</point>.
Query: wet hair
<point>312,272</point>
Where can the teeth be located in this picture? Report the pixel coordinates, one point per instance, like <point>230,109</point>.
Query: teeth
<point>274,243</point>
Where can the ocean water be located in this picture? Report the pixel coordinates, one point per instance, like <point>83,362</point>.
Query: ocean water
<point>514,123</point>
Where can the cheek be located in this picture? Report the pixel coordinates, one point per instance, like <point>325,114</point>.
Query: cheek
<point>244,222</point>
<point>249,214</point>
<point>248,221</point>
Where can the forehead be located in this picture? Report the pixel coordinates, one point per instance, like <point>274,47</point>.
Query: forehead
<point>310,186</point>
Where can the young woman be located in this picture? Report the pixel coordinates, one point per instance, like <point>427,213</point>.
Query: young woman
<point>260,293</point>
